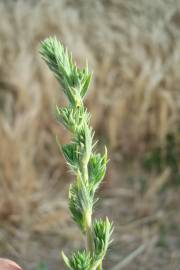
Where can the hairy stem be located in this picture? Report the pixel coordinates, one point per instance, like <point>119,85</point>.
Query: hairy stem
<point>88,217</point>
<point>85,172</point>
<point>99,266</point>
<point>89,236</point>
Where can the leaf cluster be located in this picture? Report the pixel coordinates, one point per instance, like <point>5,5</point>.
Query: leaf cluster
<point>82,260</point>
<point>74,81</point>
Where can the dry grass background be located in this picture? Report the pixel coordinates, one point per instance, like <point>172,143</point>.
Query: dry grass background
<point>133,49</point>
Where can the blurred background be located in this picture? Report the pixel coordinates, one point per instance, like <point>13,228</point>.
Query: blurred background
<point>133,49</point>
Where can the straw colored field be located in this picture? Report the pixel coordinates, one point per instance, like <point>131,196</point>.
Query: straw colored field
<point>133,49</point>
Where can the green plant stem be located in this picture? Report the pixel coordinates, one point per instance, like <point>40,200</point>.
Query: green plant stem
<point>85,173</point>
<point>89,235</point>
<point>88,216</point>
<point>99,266</point>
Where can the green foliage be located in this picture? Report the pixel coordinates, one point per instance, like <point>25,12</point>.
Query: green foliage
<point>97,169</point>
<point>88,166</point>
<point>102,237</point>
<point>153,160</point>
<point>74,81</point>
<point>72,119</point>
<point>72,155</point>
<point>166,156</point>
<point>80,260</point>
<point>80,203</point>
<point>42,266</point>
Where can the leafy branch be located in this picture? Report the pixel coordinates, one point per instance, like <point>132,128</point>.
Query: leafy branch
<point>87,166</point>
